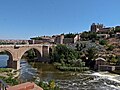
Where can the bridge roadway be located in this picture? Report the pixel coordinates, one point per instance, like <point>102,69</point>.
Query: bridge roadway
<point>16,52</point>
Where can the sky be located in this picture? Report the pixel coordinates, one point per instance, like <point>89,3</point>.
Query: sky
<point>23,19</point>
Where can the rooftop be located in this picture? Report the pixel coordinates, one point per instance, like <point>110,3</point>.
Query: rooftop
<point>25,86</point>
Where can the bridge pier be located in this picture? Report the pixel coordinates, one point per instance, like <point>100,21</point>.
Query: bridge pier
<point>13,64</point>
<point>45,51</point>
<point>9,63</point>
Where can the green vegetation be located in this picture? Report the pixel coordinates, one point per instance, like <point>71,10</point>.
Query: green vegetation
<point>118,60</point>
<point>70,35</point>
<point>31,54</point>
<point>117,29</point>
<point>36,38</point>
<point>90,56</point>
<point>88,36</point>
<point>67,59</point>
<point>5,70</point>
<point>51,85</point>
<point>63,54</point>
<point>103,42</point>
<point>9,80</point>
<point>7,76</point>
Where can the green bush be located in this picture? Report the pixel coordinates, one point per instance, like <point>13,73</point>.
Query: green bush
<point>9,80</point>
<point>103,42</point>
<point>5,70</point>
<point>64,68</point>
<point>51,85</point>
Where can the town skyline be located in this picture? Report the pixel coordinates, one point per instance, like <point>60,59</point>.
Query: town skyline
<point>26,19</point>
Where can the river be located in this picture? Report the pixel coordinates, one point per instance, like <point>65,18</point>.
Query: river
<point>66,80</point>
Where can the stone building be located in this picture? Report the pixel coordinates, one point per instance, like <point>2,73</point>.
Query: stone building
<point>100,28</point>
<point>99,61</point>
<point>104,36</point>
<point>95,27</point>
<point>60,39</point>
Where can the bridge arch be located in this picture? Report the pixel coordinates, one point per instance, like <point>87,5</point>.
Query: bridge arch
<point>10,59</point>
<point>37,51</point>
<point>9,52</point>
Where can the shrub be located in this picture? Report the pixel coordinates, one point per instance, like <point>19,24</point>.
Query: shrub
<point>5,70</point>
<point>51,85</point>
<point>103,42</point>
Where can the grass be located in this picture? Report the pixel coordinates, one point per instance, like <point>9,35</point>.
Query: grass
<point>5,70</point>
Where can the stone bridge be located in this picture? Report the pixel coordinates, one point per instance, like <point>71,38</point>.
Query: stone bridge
<point>16,52</point>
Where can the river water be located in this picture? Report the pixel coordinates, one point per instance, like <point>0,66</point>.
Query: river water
<point>66,80</point>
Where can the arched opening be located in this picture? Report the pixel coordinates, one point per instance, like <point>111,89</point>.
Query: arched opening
<point>31,55</point>
<point>6,59</point>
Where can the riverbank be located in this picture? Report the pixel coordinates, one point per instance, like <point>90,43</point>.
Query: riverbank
<point>9,76</point>
<point>115,72</point>
<point>9,72</point>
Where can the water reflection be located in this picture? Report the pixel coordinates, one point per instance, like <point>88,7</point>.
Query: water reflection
<point>3,60</point>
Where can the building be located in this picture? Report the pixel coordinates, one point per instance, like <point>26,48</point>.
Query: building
<point>55,39</point>
<point>102,65</point>
<point>99,61</point>
<point>58,39</point>
<point>100,28</point>
<point>117,35</point>
<point>61,39</point>
<point>41,40</point>
<point>24,86</point>
<point>96,27</point>
<point>105,30</point>
<point>104,36</point>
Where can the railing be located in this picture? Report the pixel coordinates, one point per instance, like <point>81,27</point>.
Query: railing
<point>3,85</point>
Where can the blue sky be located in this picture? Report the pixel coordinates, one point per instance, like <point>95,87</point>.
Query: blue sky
<point>23,19</point>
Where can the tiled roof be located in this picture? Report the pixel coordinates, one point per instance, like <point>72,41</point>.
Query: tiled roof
<point>25,86</point>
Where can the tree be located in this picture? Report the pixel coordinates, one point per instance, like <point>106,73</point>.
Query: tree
<point>77,47</point>
<point>90,54</point>
<point>118,60</point>
<point>117,29</point>
<point>36,38</point>
<point>103,42</point>
<point>92,35</point>
<point>70,35</point>
<point>63,53</point>
<point>84,36</point>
